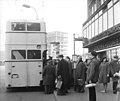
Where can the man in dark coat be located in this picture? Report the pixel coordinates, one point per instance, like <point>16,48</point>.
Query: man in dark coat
<point>92,75</point>
<point>80,74</point>
<point>113,68</point>
<point>70,71</point>
<point>63,72</point>
<point>49,77</point>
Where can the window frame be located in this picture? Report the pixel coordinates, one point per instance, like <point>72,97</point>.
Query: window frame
<point>18,50</point>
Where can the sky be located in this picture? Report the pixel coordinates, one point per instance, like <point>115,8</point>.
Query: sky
<point>59,15</point>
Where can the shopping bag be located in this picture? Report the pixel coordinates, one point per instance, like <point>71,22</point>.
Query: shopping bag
<point>59,84</point>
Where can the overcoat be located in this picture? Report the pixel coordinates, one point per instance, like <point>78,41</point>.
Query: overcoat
<point>103,72</point>
<point>113,68</point>
<point>80,72</point>
<point>93,71</point>
<point>49,75</point>
<point>63,71</point>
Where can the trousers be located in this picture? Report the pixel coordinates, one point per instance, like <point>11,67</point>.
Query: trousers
<point>92,94</point>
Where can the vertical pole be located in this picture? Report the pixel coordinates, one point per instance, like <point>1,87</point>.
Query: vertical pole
<point>74,63</point>
<point>74,43</point>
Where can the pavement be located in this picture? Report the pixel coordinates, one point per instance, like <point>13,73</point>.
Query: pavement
<point>37,95</point>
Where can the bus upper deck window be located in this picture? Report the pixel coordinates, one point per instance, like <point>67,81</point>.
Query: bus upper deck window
<point>18,26</point>
<point>33,26</point>
<point>33,54</point>
<point>18,54</point>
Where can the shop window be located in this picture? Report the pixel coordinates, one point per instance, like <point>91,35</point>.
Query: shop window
<point>100,24</point>
<point>118,52</point>
<point>100,13</point>
<point>115,1</point>
<point>93,30</point>
<point>110,17</point>
<point>117,13</point>
<point>18,54</point>
<point>113,52</point>
<point>85,33</point>
<point>110,4</point>
<point>96,27</point>
<point>108,55</point>
<point>105,21</point>
<point>89,31</point>
<point>96,16</point>
<point>102,1</point>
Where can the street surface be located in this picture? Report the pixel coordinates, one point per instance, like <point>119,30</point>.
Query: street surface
<point>37,95</point>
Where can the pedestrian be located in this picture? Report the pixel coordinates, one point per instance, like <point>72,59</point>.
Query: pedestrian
<point>104,73</point>
<point>70,71</point>
<point>49,77</point>
<point>114,68</point>
<point>80,74</point>
<point>118,87</point>
<point>63,72</point>
<point>92,75</point>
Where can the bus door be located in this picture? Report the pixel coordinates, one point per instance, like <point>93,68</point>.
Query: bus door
<point>18,69</point>
<point>34,67</point>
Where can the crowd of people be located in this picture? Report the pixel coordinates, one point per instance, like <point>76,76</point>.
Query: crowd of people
<point>91,71</point>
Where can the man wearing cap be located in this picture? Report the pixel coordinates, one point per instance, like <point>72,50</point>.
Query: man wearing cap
<point>63,72</point>
<point>93,74</point>
<point>114,68</point>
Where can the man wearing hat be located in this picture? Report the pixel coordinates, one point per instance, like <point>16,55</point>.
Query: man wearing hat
<point>67,58</point>
<point>49,77</point>
<point>93,74</point>
<point>63,72</point>
<point>114,68</point>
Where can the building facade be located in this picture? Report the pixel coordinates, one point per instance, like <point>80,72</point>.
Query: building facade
<point>101,30</point>
<point>57,43</point>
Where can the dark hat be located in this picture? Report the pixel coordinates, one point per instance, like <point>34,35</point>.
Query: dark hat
<point>67,57</point>
<point>60,56</point>
<point>115,57</point>
<point>94,53</point>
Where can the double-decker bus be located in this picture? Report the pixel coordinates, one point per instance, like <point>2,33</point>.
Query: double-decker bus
<point>25,49</point>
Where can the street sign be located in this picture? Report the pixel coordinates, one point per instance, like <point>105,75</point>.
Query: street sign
<point>79,39</point>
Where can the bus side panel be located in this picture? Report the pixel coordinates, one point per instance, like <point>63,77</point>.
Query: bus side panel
<point>36,38</point>
<point>15,38</point>
<point>34,73</point>
<point>8,72</point>
<point>19,74</point>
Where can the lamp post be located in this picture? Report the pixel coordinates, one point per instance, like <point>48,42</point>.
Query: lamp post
<point>75,56</point>
<point>74,42</point>
<point>27,6</point>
